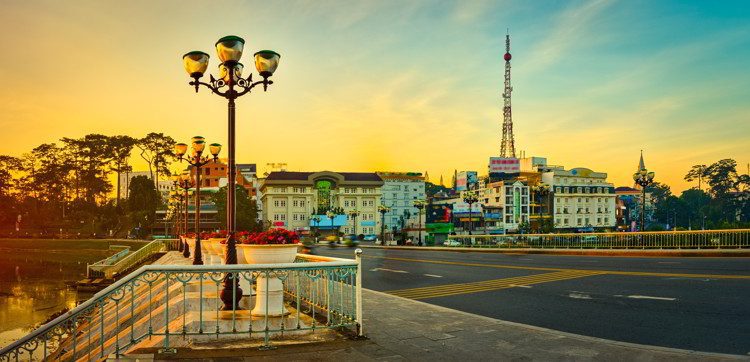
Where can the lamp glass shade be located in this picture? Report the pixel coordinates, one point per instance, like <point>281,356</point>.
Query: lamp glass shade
<point>198,146</point>
<point>266,62</point>
<point>229,48</point>
<point>197,138</point>
<point>195,63</point>
<point>214,148</point>
<point>224,72</point>
<point>180,149</point>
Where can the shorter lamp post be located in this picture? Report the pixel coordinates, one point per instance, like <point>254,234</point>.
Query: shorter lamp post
<point>185,183</point>
<point>197,160</point>
<point>470,198</point>
<point>382,209</point>
<point>331,215</point>
<point>353,214</point>
<point>420,205</point>
<point>316,220</point>
<point>644,179</point>
<point>540,190</point>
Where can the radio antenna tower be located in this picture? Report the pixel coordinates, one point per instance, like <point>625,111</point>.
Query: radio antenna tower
<point>507,148</point>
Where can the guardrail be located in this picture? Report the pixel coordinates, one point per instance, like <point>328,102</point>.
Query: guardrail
<point>157,303</point>
<point>128,262</point>
<point>696,239</point>
<point>125,250</point>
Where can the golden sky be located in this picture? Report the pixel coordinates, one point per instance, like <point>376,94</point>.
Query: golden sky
<point>393,85</point>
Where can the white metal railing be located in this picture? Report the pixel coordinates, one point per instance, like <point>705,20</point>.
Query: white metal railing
<point>128,262</point>
<point>168,301</point>
<point>696,239</point>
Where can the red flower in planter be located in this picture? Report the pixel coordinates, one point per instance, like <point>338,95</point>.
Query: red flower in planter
<point>272,236</point>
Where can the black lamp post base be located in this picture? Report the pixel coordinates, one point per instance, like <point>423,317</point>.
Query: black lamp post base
<point>186,251</point>
<point>197,253</point>
<point>231,296</point>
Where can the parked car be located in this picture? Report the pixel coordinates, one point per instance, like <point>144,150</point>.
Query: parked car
<point>370,237</point>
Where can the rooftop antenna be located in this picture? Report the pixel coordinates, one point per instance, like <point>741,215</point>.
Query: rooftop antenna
<point>507,147</point>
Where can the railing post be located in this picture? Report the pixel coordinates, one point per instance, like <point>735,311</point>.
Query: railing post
<point>358,258</point>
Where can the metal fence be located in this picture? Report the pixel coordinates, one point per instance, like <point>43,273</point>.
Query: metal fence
<point>104,269</point>
<point>164,304</point>
<point>697,239</point>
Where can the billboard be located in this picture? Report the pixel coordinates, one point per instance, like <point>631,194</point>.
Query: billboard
<point>504,165</point>
<point>466,180</point>
<point>438,213</point>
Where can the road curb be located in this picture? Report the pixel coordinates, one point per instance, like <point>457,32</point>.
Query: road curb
<point>554,332</point>
<point>723,253</point>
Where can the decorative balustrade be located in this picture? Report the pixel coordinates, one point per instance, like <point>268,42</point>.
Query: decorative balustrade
<point>167,305</point>
<point>696,239</point>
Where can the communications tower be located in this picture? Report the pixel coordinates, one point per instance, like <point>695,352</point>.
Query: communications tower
<point>507,148</point>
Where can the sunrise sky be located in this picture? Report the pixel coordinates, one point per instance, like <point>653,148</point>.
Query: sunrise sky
<point>394,85</point>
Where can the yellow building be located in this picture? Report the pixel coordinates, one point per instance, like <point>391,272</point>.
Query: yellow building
<point>300,200</point>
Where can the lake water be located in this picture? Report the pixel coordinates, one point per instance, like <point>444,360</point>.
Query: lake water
<point>35,279</point>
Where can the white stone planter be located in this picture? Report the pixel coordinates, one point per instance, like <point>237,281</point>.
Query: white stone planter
<point>213,248</point>
<point>269,299</point>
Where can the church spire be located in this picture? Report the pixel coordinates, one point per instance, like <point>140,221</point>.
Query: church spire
<point>641,165</point>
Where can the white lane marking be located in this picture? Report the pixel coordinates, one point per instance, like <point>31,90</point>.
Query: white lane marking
<point>654,298</point>
<point>389,270</point>
<point>521,286</point>
<point>526,259</point>
<point>579,295</point>
<point>668,262</point>
<point>433,275</point>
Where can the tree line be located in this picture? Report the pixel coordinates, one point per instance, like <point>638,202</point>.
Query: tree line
<point>720,199</point>
<point>67,184</point>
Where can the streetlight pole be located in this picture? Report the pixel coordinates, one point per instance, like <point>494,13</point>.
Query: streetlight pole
<point>470,198</point>
<point>419,204</point>
<point>185,183</point>
<point>229,50</point>
<point>354,214</point>
<point>383,210</point>
<point>197,160</point>
<point>540,191</point>
<point>644,178</point>
<point>331,215</point>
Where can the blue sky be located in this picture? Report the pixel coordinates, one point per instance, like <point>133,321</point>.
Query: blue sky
<point>396,85</point>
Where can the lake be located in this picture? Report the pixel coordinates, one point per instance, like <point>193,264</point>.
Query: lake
<point>35,275</point>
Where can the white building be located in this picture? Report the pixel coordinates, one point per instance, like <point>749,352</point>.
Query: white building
<point>508,202</point>
<point>293,200</point>
<point>583,199</point>
<point>400,190</point>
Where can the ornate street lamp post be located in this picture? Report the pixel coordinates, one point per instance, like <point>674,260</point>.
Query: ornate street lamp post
<point>331,215</point>
<point>420,205</point>
<point>382,209</point>
<point>540,190</point>
<point>231,86</point>
<point>470,198</point>
<point>354,214</point>
<point>316,219</point>
<point>197,160</point>
<point>185,183</point>
<point>644,179</point>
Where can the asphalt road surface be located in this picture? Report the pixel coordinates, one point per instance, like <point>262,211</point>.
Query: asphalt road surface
<point>689,303</point>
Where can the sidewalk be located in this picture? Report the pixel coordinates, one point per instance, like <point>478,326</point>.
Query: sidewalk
<point>402,329</point>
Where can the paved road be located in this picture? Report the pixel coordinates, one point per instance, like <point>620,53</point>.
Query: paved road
<point>690,303</point>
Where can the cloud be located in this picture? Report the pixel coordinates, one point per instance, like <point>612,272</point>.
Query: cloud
<point>570,29</point>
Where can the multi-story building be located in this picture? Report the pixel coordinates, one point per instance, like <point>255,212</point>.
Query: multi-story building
<point>214,174</point>
<point>299,201</point>
<point>583,200</point>
<point>506,205</point>
<point>400,190</point>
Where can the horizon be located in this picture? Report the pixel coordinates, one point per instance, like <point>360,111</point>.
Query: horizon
<point>364,84</point>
